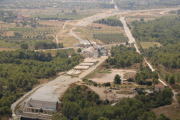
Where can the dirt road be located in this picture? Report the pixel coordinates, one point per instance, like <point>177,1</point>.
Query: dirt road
<point>57,41</point>
<point>132,40</point>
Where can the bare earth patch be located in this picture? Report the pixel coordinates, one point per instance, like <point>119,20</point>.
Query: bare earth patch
<point>109,77</point>
<point>6,49</point>
<point>10,33</point>
<point>53,23</point>
<point>171,111</point>
<point>112,94</point>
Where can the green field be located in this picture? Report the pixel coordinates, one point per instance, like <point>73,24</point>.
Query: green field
<point>73,17</point>
<point>19,29</point>
<point>15,43</point>
<point>110,38</point>
<point>147,45</point>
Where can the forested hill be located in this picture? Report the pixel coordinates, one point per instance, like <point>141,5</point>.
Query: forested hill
<point>20,71</point>
<point>164,30</point>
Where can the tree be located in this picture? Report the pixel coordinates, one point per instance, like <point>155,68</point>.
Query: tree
<point>117,79</point>
<point>178,100</point>
<point>74,12</point>
<point>142,19</point>
<point>163,117</point>
<point>60,45</point>
<point>155,81</point>
<point>171,80</point>
<point>24,46</point>
<point>79,50</point>
<point>127,43</point>
<point>178,12</point>
<point>5,111</point>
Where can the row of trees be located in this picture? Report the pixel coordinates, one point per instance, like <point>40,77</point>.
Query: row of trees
<point>110,22</point>
<point>80,103</point>
<point>45,45</point>
<point>123,56</point>
<point>20,71</point>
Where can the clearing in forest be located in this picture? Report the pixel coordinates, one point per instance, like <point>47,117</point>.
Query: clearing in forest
<point>147,45</point>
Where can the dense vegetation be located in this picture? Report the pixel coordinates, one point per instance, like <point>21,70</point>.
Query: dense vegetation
<point>44,45</point>
<point>123,56</point>
<point>20,71</point>
<point>110,22</point>
<point>144,74</point>
<point>110,38</point>
<point>80,103</point>
<point>172,79</point>
<point>164,30</point>
<point>7,16</point>
<point>145,4</point>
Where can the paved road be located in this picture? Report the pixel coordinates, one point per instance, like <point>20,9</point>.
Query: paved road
<point>89,20</point>
<point>13,106</point>
<point>57,41</point>
<point>96,17</point>
<point>132,40</point>
<point>127,31</point>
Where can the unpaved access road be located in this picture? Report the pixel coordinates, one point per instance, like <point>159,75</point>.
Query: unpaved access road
<point>132,40</point>
<point>57,41</point>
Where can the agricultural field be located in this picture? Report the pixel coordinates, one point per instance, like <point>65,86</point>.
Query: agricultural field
<point>96,28</point>
<point>102,34</point>
<point>110,38</point>
<point>39,33</point>
<point>147,45</point>
<point>12,44</point>
<point>58,10</point>
<point>12,36</point>
<point>65,37</point>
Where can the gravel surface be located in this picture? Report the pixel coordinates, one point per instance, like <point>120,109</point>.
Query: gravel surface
<point>54,89</point>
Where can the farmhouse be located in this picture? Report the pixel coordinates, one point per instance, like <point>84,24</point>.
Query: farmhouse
<point>159,87</point>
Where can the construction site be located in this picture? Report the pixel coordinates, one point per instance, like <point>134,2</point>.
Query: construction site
<point>90,51</point>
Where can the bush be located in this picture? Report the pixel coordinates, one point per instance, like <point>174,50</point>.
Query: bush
<point>94,83</point>
<point>130,80</point>
<point>107,84</point>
